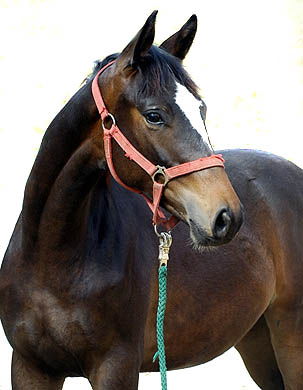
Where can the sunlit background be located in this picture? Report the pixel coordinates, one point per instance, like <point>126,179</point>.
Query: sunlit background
<point>247,59</point>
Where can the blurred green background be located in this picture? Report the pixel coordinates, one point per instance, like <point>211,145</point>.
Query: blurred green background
<point>247,59</point>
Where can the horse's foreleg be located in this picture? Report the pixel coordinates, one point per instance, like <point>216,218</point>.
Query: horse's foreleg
<point>27,376</point>
<point>259,358</point>
<point>286,330</point>
<point>119,370</point>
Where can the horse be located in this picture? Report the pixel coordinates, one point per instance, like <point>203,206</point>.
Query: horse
<point>78,283</point>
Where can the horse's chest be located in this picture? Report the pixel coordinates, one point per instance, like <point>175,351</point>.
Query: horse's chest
<point>52,332</point>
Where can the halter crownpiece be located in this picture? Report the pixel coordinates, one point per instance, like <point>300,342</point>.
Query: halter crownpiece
<point>154,171</point>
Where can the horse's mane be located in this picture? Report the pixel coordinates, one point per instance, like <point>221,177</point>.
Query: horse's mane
<point>98,64</point>
<point>157,68</point>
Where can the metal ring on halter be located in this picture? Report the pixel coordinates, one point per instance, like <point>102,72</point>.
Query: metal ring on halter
<point>156,231</point>
<point>160,171</point>
<point>112,119</point>
<point>161,233</point>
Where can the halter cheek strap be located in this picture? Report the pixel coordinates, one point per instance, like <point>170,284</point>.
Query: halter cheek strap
<point>154,171</point>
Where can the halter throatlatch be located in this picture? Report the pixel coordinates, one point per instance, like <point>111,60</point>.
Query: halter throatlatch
<point>154,171</point>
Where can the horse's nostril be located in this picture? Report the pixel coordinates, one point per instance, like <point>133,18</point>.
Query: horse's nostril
<point>222,224</point>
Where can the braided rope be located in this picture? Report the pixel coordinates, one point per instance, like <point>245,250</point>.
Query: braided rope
<point>160,324</point>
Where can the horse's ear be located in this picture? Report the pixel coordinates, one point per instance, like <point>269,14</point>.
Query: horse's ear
<point>179,43</point>
<point>139,45</point>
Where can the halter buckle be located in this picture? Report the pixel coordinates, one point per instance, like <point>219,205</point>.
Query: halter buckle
<point>160,171</point>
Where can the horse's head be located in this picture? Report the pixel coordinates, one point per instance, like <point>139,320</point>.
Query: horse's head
<point>157,106</point>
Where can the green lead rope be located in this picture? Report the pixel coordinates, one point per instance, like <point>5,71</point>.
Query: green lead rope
<point>165,240</point>
<point>160,322</point>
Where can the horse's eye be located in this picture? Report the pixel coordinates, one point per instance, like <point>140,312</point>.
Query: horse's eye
<point>154,118</point>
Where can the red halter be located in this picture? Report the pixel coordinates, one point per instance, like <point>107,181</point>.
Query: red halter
<point>153,170</point>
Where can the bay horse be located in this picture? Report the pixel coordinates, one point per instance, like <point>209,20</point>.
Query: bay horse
<point>78,283</point>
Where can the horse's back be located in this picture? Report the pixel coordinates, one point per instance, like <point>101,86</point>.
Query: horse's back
<point>275,176</point>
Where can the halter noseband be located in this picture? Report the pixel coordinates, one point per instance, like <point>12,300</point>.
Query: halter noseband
<point>154,171</point>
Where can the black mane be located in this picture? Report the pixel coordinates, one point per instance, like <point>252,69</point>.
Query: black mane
<point>157,68</point>
<point>98,64</point>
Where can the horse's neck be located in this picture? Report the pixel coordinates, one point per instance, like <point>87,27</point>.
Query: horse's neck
<point>68,165</point>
